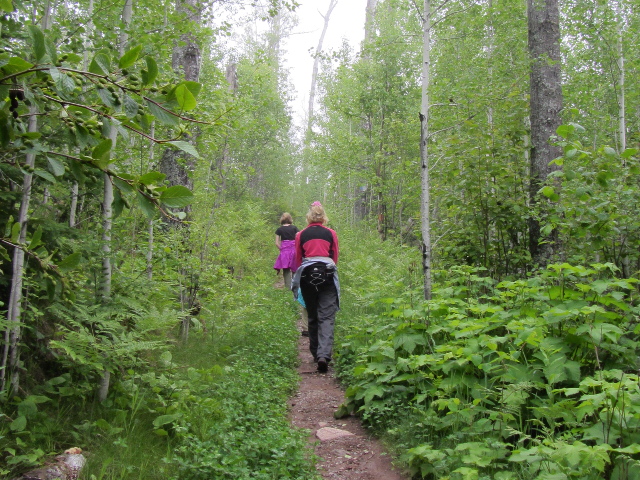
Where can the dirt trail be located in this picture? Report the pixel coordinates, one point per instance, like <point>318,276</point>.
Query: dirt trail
<point>346,449</point>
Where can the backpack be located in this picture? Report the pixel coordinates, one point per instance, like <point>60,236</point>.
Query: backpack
<point>317,275</point>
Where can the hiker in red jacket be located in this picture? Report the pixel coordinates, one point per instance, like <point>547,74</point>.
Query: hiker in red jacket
<point>317,280</point>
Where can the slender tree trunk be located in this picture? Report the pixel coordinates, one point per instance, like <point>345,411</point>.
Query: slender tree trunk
<point>107,206</point>
<point>185,60</point>
<point>546,104</point>
<point>622,122</point>
<point>369,19</point>
<point>424,152</point>
<point>316,62</point>
<point>11,353</point>
<point>152,133</point>
<point>74,204</point>
<point>73,208</point>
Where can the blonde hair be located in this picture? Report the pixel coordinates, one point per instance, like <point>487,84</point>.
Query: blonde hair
<point>316,214</point>
<point>286,218</point>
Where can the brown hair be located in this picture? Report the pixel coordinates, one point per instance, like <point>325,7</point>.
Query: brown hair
<point>316,214</point>
<point>286,218</point>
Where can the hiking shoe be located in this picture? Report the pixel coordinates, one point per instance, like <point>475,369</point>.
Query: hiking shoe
<point>323,366</point>
<point>305,333</point>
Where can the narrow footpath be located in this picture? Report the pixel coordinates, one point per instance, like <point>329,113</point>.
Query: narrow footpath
<point>345,448</point>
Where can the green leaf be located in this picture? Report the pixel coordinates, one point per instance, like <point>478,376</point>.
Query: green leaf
<point>35,239</point>
<point>130,106</point>
<point>118,203</point>
<point>102,149</point>
<point>147,206</point>
<point>130,57</point>
<point>162,115</point>
<point>185,147</point>
<point>6,5</point>
<point>4,254</point>
<point>56,166</point>
<point>51,51</point>
<point>6,131</point>
<point>100,65</point>
<point>166,419</point>
<point>37,40</point>
<point>185,98</point>
<point>122,185</point>
<point>107,98</point>
<point>176,196</point>
<point>19,424</point>
<point>609,151</point>
<point>166,357</point>
<point>15,65</point>
<point>44,174</point>
<point>150,75</point>
<point>629,152</point>
<point>70,262</point>
<point>565,131</point>
<point>193,87</point>
<point>15,232</point>
<point>547,191</point>
<point>152,178</point>
<point>64,83</point>
<point>8,226</point>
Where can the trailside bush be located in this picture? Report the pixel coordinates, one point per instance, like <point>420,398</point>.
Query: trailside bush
<point>532,378</point>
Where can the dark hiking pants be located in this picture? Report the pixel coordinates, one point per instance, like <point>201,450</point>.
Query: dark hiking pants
<point>322,306</point>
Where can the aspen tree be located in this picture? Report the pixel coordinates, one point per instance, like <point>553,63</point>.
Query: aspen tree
<point>424,153</point>
<point>546,104</point>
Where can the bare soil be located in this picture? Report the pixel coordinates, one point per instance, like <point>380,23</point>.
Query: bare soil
<point>355,454</point>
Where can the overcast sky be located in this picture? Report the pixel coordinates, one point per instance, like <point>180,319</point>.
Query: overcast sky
<point>346,21</point>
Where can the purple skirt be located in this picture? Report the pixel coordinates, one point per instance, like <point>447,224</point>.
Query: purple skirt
<point>287,257</point>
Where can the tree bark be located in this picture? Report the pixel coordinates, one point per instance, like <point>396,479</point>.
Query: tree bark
<point>546,104</point>
<point>107,206</point>
<point>11,354</point>
<point>316,62</point>
<point>424,152</point>
<point>369,18</point>
<point>150,230</point>
<point>186,59</point>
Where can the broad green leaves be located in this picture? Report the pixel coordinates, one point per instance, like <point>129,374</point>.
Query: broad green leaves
<point>100,65</point>
<point>38,42</point>
<point>130,57</point>
<point>6,5</point>
<point>489,362</point>
<point>150,74</point>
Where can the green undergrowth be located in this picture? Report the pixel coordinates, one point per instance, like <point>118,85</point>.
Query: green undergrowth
<point>218,408</point>
<point>245,431</point>
<point>211,406</point>
<point>525,379</point>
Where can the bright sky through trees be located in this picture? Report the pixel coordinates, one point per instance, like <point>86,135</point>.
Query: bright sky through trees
<point>347,22</point>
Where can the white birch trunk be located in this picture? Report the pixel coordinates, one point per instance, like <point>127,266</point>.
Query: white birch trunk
<point>73,208</point>
<point>150,241</point>
<point>370,16</point>
<point>622,123</point>
<point>316,62</point>
<point>107,206</point>
<point>424,153</point>
<point>74,204</point>
<point>11,354</point>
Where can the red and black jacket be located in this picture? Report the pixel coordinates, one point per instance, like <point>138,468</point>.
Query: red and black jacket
<point>316,241</point>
